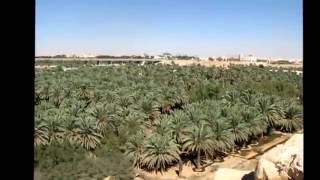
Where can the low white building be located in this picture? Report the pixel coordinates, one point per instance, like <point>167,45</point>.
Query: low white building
<point>249,57</point>
<point>157,57</point>
<point>224,58</point>
<point>87,55</point>
<point>204,58</point>
<point>72,56</point>
<point>81,56</point>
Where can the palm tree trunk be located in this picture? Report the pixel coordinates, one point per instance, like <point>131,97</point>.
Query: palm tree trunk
<point>255,140</point>
<point>116,132</point>
<point>269,129</point>
<point>244,145</point>
<point>180,167</point>
<point>198,160</point>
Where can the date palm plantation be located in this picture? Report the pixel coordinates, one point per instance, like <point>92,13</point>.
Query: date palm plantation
<point>98,121</point>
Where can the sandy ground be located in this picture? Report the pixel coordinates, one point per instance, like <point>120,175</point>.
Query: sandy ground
<point>45,66</point>
<point>188,173</point>
<point>225,63</point>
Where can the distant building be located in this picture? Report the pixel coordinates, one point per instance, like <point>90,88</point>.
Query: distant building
<point>221,58</point>
<point>80,56</point>
<point>204,58</point>
<point>85,55</point>
<point>249,57</point>
<point>72,56</point>
<point>224,58</point>
<point>167,56</point>
<point>157,57</point>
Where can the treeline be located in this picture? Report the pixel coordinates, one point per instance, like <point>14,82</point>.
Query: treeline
<point>184,57</point>
<point>282,62</point>
<point>163,56</point>
<point>56,56</point>
<point>101,57</point>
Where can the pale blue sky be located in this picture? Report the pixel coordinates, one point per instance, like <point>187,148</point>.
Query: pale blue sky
<point>195,27</point>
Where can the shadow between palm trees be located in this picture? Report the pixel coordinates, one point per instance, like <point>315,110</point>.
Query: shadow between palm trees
<point>249,176</point>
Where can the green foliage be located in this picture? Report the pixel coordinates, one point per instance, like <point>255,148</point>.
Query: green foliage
<point>114,164</point>
<point>95,122</point>
<point>290,117</point>
<point>283,62</point>
<point>59,68</point>
<point>160,152</point>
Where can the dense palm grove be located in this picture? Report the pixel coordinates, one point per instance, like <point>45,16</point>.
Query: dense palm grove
<point>95,122</point>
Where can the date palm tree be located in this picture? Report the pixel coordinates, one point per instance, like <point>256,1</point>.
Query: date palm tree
<point>194,114</point>
<point>71,132</point>
<point>57,96</point>
<point>198,138</point>
<point>67,93</point>
<point>163,126</point>
<point>239,128</point>
<point>222,136</point>
<point>40,133</point>
<point>178,125</point>
<point>290,118</point>
<point>110,96</point>
<point>37,98</point>
<point>231,98</point>
<point>97,96</point>
<point>135,148</point>
<point>88,137</point>
<point>131,124</point>
<point>45,93</point>
<point>84,94</point>
<point>107,118</point>
<point>102,120</point>
<point>55,128</point>
<point>160,152</point>
<point>248,97</point>
<point>268,109</point>
<point>147,106</point>
<point>124,100</point>
<point>255,122</point>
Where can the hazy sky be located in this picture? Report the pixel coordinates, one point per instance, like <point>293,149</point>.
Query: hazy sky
<point>195,27</point>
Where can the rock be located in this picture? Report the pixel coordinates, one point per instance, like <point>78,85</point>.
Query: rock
<point>267,170</point>
<point>232,174</point>
<point>282,162</point>
<point>138,178</point>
